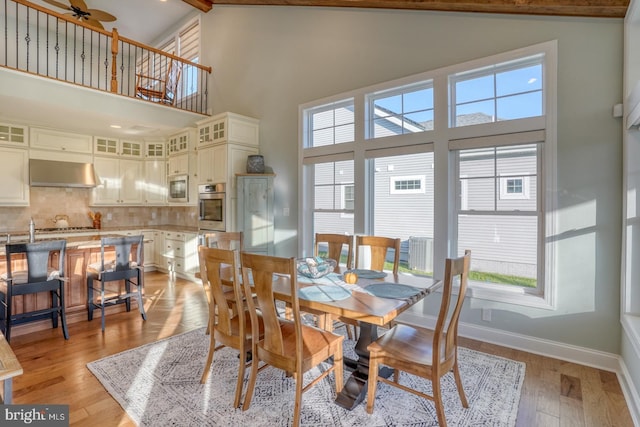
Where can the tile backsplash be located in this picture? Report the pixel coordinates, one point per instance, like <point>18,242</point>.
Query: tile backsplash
<point>47,202</point>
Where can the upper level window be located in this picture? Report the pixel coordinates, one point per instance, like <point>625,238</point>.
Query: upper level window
<point>406,109</point>
<point>186,44</point>
<point>506,91</point>
<point>330,124</point>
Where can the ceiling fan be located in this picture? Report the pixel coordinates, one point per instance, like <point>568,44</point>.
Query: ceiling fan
<point>80,11</point>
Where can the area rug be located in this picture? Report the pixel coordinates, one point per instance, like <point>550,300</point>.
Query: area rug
<point>158,384</point>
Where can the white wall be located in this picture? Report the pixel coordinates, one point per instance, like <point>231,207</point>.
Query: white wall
<point>268,60</point>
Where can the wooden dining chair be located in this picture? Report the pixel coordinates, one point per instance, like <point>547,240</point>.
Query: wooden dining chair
<point>379,246</point>
<point>421,351</point>
<point>225,240</point>
<point>230,327</point>
<point>335,245</point>
<point>287,344</point>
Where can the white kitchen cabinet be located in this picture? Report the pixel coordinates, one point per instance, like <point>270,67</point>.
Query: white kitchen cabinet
<point>120,182</point>
<point>178,165</point>
<point>117,147</point>
<point>255,212</point>
<point>180,142</point>
<point>53,140</point>
<point>155,183</point>
<point>181,253</point>
<point>154,150</point>
<point>158,242</point>
<point>212,164</point>
<point>14,175</point>
<point>13,135</point>
<point>228,128</point>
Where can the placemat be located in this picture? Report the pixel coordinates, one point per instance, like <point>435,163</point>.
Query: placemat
<point>392,290</point>
<point>368,274</point>
<point>323,293</point>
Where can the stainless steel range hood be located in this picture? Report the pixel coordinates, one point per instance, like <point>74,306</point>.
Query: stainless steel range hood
<point>53,173</point>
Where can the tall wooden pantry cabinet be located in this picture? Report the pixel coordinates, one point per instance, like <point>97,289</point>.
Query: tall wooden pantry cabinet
<point>255,212</point>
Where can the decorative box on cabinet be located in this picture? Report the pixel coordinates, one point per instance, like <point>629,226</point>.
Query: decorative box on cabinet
<point>255,205</point>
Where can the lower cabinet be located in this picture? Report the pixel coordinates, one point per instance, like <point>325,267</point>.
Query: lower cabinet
<point>181,253</point>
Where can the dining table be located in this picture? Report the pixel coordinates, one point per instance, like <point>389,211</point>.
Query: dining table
<point>375,300</point>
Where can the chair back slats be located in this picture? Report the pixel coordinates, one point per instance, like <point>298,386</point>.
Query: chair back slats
<point>335,244</point>
<point>213,262</point>
<point>445,338</point>
<point>123,247</point>
<point>379,247</point>
<point>37,256</point>
<point>259,270</point>
<point>225,240</point>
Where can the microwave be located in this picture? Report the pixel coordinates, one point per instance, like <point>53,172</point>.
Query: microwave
<point>179,189</point>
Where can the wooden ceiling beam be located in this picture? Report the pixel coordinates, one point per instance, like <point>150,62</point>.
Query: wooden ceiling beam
<point>203,5</point>
<point>585,8</point>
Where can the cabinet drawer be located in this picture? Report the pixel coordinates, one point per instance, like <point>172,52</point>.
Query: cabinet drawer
<point>174,248</point>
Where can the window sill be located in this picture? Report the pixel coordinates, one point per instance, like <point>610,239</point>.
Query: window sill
<point>509,295</point>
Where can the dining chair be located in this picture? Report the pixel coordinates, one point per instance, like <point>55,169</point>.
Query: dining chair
<point>335,245</point>
<point>42,272</point>
<point>287,344</point>
<point>225,240</point>
<point>116,265</point>
<point>231,327</point>
<point>427,353</point>
<point>379,247</point>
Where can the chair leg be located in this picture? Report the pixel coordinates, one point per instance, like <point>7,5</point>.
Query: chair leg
<point>63,317</point>
<point>298,402</point>
<point>241,368</point>
<point>252,380</point>
<point>140,303</point>
<point>89,298</point>
<point>373,382</point>
<point>207,365</point>
<point>102,320</point>
<point>437,399</point>
<point>127,289</point>
<point>456,375</point>
<point>54,305</point>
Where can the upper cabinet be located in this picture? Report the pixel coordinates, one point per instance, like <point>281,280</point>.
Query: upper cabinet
<point>15,177</point>
<point>154,150</point>
<point>117,147</point>
<point>228,128</point>
<point>53,140</point>
<point>13,135</point>
<point>180,142</point>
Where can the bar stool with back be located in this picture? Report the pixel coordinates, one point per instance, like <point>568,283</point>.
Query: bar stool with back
<point>117,266</point>
<point>42,274</point>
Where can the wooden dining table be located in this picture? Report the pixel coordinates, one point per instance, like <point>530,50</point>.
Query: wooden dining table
<point>369,310</point>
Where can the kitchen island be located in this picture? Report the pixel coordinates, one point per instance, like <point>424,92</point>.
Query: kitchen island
<point>81,251</point>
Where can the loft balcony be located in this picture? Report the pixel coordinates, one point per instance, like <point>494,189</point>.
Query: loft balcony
<point>46,48</point>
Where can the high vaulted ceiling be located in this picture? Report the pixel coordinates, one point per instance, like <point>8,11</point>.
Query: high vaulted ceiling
<point>590,8</point>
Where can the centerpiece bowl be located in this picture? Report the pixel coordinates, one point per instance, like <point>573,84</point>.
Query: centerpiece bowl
<point>315,267</point>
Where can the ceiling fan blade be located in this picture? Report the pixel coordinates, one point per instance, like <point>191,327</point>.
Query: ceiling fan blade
<point>80,4</point>
<point>58,4</point>
<point>101,15</point>
<point>93,22</point>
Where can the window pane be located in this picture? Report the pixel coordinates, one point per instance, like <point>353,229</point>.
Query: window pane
<point>478,193</point>
<point>503,248</point>
<point>474,89</point>
<point>520,106</point>
<point>332,222</point>
<point>477,162</point>
<point>330,179</point>
<point>332,124</point>
<point>404,184</point>
<point>520,80</point>
<point>475,113</point>
<point>408,110</point>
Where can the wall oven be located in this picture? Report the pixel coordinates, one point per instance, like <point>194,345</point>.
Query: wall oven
<point>211,207</point>
<point>179,189</point>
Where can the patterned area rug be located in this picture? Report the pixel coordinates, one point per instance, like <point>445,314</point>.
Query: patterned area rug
<point>158,384</point>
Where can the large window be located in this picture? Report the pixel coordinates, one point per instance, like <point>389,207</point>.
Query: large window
<point>186,44</point>
<point>451,159</point>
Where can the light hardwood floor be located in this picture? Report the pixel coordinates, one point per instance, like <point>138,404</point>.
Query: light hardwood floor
<point>555,393</point>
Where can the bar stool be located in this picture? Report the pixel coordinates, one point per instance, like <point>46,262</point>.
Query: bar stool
<point>114,266</point>
<point>42,274</point>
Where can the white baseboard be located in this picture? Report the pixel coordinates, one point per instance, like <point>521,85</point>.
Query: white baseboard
<point>583,356</point>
